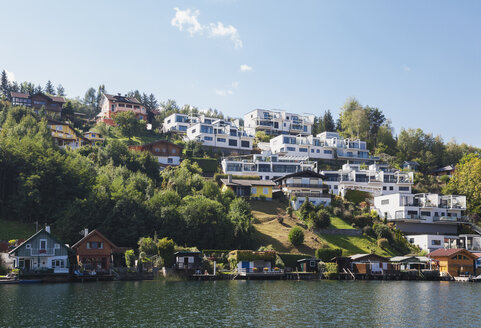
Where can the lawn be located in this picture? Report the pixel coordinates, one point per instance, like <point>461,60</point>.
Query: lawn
<point>338,223</point>
<point>15,230</point>
<point>355,245</point>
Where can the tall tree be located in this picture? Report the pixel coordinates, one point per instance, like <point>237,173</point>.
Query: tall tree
<point>328,122</point>
<point>90,100</point>
<point>376,119</point>
<point>60,91</point>
<point>128,124</point>
<point>49,89</point>
<point>5,87</point>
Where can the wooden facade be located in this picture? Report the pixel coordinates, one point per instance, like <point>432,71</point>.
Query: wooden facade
<point>166,152</point>
<point>94,252</point>
<point>51,104</point>
<point>455,261</point>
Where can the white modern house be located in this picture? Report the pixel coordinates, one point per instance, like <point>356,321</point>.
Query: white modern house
<point>422,213</point>
<point>266,165</point>
<point>179,123</point>
<point>304,185</point>
<point>326,145</point>
<point>377,179</point>
<point>220,134</point>
<point>427,242</point>
<point>274,122</point>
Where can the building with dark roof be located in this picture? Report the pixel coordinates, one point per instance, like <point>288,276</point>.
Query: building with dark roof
<point>249,188</point>
<point>166,152</point>
<point>51,104</point>
<point>455,261</point>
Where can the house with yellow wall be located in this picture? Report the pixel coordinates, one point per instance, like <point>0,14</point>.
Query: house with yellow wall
<point>455,261</point>
<point>65,135</point>
<point>249,188</point>
<point>93,137</point>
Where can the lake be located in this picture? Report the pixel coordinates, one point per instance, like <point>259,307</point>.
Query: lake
<point>242,304</point>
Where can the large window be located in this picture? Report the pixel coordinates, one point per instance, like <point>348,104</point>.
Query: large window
<point>221,139</point>
<point>436,242</point>
<point>303,150</point>
<point>237,167</point>
<point>206,129</point>
<point>385,202</point>
<point>233,142</point>
<point>182,128</point>
<point>208,138</point>
<point>95,245</point>
<point>245,144</point>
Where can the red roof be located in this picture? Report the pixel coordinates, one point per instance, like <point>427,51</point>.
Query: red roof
<point>446,252</point>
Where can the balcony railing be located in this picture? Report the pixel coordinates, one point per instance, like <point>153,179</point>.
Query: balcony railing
<point>305,185</point>
<point>311,194</point>
<point>450,219</point>
<point>404,216</point>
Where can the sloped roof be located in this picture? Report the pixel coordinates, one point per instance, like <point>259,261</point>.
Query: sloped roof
<point>363,256</point>
<point>94,232</point>
<point>120,98</point>
<point>27,96</point>
<point>445,169</point>
<point>446,252</point>
<point>301,174</point>
<point>34,235</point>
<point>247,183</point>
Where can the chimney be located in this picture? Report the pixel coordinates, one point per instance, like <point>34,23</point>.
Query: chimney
<point>47,228</point>
<point>229,178</point>
<point>86,232</point>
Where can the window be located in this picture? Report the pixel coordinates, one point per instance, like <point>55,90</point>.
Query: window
<point>318,151</point>
<point>206,129</point>
<point>95,245</point>
<point>265,191</point>
<point>253,190</point>
<point>168,121</point>
<point>170,160</point>
<point>385,202</point>
<point>303,150</point>
<point>411,240</point>
<point>157,150</point>
<point>291,148</point>
<point>384,187</point>
<point>436,242</point>
<point>113,108</point>
<point>59,128</point>
<point>136,107</point>
<point>128,106</point>
<point>28,246</point>
<point>184,128</point>
<point>174,151</point>
<point>245,144</point>
<point>312,150</point>
<point>403,188</point>
<point>43,244</point>
<point>391,188</point>
<point>425,213</point>
<point>328,152</point>
<point>233,142</point>
<point>221,140</point>
<point>208,138</point>
<point>57,246</point>
<point>121,105</point>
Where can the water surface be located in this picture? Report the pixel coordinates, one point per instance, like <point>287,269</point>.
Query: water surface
<point>242,304</point>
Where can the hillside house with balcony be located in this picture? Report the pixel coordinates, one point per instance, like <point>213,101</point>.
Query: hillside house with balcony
<point>51,104</point>
<point>266,165</point>
<point>377,179</point>
<point>166,152</point>
<point>304,185</point>
<point>94,252</point>
<point>422,213</point>
<point>222,135</point>
<point>110,105</point>
<point>41,253</point>
<point>275,122</point>
<point>430,242</point>
<point>65,135</point>
<point>179,123</point>
<point>93,137</point>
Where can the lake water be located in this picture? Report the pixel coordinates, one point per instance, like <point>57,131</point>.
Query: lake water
<point>242,304</point>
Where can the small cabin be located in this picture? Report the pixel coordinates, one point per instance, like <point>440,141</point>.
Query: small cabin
<point>370,264</point>
<point>188,260</point>
<point>308,265</point>
<point>455,261</point>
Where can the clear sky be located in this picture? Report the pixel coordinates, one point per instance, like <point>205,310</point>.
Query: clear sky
<point>418,61</point>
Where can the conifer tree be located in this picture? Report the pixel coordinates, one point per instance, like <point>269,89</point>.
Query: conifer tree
<point>60,91</point>
<point>49,89</point>
<point>4,86</point>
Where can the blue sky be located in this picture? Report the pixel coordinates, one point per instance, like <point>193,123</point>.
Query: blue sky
<point>418,61</point>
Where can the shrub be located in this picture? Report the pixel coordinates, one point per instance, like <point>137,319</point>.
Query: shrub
<point>166,248</point>
<point>367,230</point>
<point>306,209</point>
<point>296,236</point>
<point>326,254</point>
<point>130,258</point>
<point>363,220</point>
<point>290,260</point>
<point>289,211</point>
<point>337,211</point>
<point>383,243</point>
<point>319,220</point>
<point>330,270</point>
<point>347,215</point>
<point>382,231</point>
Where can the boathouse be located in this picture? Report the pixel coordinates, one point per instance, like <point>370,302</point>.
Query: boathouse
<point>94,252</point>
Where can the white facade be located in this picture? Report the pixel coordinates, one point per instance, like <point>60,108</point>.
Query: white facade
<point>278,122</point>
<point>326,145</point>
<point>181,122</point>
<point>300,187</point>
<point>168,160</point>
<point>422,208</point>
<point>267,165</point>
<point>220,134</point>
<point>377,179</point>
<point>428,242</point>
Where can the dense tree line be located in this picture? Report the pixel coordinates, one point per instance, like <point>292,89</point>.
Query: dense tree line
<point>123,193</point>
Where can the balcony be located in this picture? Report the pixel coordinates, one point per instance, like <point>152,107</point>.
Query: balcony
<point>450,219</point>
<point>305,185</point>
<point>401,215</point>
<point>311,194</point>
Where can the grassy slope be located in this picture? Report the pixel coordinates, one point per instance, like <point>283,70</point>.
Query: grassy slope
<point>15,230</point>
<point>269,231</point>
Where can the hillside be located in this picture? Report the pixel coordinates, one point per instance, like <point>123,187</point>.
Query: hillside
<point>15,230</point>
<point>268,231</point>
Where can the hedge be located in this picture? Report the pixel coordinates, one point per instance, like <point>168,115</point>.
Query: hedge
<point>208,165</point>
<point>247,255</point>
<point>357,196</point>
<point>326,254</point>
<point>290,260</point>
